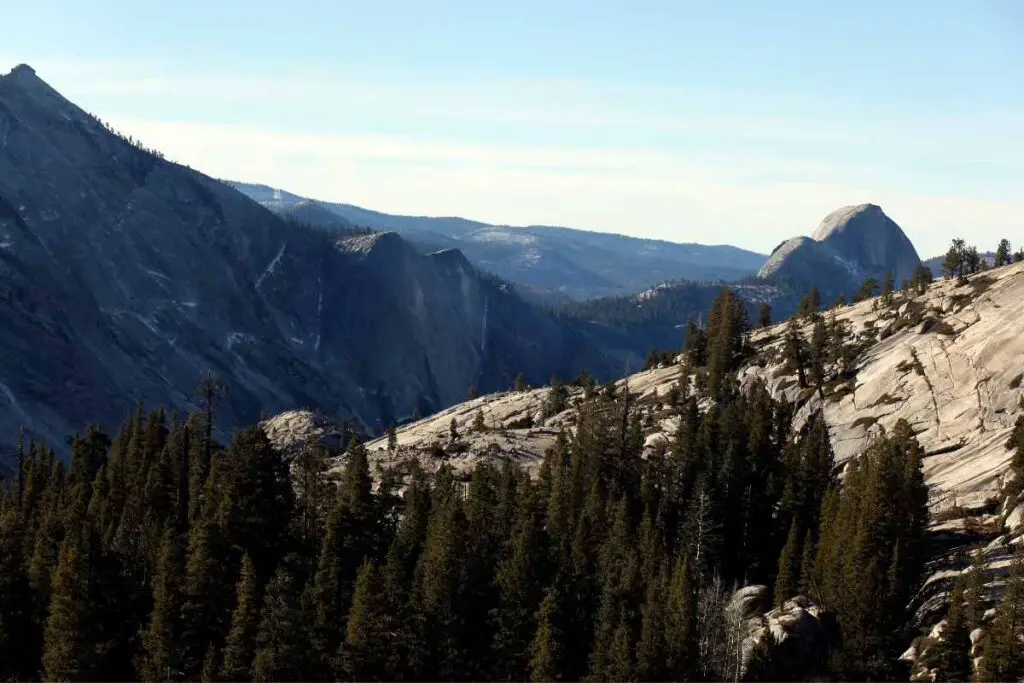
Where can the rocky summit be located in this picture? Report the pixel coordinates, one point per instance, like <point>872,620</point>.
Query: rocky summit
<point>122,274</point>
<point>851,244</point>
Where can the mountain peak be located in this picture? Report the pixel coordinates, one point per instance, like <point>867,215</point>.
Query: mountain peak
<point>22,69</point>
<point>844,217</point>
<point>850,243</point>
<point>23,75</point>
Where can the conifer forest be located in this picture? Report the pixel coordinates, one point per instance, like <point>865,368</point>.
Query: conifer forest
<point>159,554</point>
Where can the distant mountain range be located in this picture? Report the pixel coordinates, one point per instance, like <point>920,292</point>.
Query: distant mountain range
<point>557,263</point>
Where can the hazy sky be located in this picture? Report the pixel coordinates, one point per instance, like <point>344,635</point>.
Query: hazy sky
<point>715,122</point>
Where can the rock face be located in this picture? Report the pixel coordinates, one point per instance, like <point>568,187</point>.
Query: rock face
<point>553,262</point>
<point>959,386</point>
<point>958,382</point>
<point>850,245</point>
<point>123,275</point>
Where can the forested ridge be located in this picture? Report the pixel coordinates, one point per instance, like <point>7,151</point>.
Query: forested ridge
<point>159,554</point>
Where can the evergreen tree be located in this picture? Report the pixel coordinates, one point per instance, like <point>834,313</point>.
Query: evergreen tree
<point>819,356</point>
<point>392,438</point>
<point>1003,254</point>
<point>788,581</point>
<point>68,652</point>
<point>240,646</point>
<point>282,653</point>
<point>367,652</point>
<point>352,536</point>
<point>867,290</point>
<point>681,623</point>
<point>887,288</point>
<point>796,351</point>
<point>255,500</point>
<point>1002,654</point>
<point>438,575</point>
<point>727,325</point>
<point>764,315</point>
<point>871,552</point>
<point>160,640</point>
<point>545,649</point>
<point>696,344</point>
<point>206,608</point>
<point>974,592</point>
<point>952,654</point>
<point>520,382</point>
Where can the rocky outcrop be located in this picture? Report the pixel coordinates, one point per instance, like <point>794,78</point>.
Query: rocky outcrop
<point>958,382</point>
<point>850,245</point>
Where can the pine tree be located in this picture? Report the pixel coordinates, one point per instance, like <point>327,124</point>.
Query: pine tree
<point>1003,255</point>
<point>788,581</point>
<point>764,315</point>
<point>206,608</point>
<point>545,650</point>
<point>921,279</point>
<point>696,344</point>
<point>392,438</point>
<point>1003,656</point>
<point>367,651</point>
<point>520,382</point>
<point>518,575</point>
<point>867,290</point>
<point>352,536</point>
<point>952,654</point>
<point>887,288</point>
<point>681,623</point>
<point>974,592</point>
<point>438,575</point>
<point>68,652</point>
<point>255,498</point>
<point>727,324</point>
<point>314,496</point>
<point>281,648</point>
<point>240,646</point>
<point>650,651</point>
<point>953,265</point>
<point>160,639</point>
<point>796,351</point>
<point>818,353</point>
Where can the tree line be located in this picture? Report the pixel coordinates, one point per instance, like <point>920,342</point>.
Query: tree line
<point>160,554</point>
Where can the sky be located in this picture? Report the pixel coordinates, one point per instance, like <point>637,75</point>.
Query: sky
<point>738,123</point>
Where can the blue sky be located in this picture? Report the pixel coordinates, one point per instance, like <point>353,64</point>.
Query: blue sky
<point>742,122</point>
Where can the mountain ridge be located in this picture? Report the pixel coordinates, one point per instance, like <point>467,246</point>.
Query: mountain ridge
<point>551,260</point>
<point>124,274</point>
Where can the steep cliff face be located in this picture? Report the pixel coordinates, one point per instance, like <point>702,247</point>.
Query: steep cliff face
<point>123,275</point>
<point>850,245</point>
